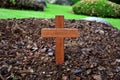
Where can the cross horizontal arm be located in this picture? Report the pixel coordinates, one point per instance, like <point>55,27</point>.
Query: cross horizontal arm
<point>59,32</point>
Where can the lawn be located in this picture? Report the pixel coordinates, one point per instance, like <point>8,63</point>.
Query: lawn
<point>49,12</point>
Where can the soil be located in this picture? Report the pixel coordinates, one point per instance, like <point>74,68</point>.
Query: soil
<point>24,54</point>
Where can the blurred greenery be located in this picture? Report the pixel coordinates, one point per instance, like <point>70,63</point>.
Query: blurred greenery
<point>74,1</point>
<point>99,8</point>
<point>49,12</point>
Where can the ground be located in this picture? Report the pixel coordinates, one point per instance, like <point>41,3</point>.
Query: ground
<point>24,54</point>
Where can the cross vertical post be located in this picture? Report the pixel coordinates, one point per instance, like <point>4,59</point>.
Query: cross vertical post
<point>59,23</point>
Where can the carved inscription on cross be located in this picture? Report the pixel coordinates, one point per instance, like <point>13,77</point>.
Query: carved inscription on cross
<point>59,33</point>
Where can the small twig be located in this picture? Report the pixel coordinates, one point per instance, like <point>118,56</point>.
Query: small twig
<point>8,77</point>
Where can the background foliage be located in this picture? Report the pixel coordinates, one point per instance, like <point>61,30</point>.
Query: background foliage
<point>74,1</point>
<point>101,8</point>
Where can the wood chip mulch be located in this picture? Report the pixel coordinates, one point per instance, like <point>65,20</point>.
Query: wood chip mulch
<point>24,54</point>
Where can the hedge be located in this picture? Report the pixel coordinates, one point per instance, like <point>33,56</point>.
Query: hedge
<point>74,1</point>
<point>24,4</point>
<point>101,8</point>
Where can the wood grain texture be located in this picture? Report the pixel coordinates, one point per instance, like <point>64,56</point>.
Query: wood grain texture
<point>59,32</point>
<point>59,23</point>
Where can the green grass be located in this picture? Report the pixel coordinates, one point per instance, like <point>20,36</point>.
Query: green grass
<point>49,12</point>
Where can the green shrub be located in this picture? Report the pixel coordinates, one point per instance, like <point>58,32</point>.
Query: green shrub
<point>100,8</point>
<point>12,1</point>
<point>74,1</point>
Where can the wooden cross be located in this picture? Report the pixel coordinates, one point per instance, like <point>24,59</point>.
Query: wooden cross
<point>59,33</point>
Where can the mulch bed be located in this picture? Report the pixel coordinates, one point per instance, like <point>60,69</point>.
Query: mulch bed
<point>24,54</point>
